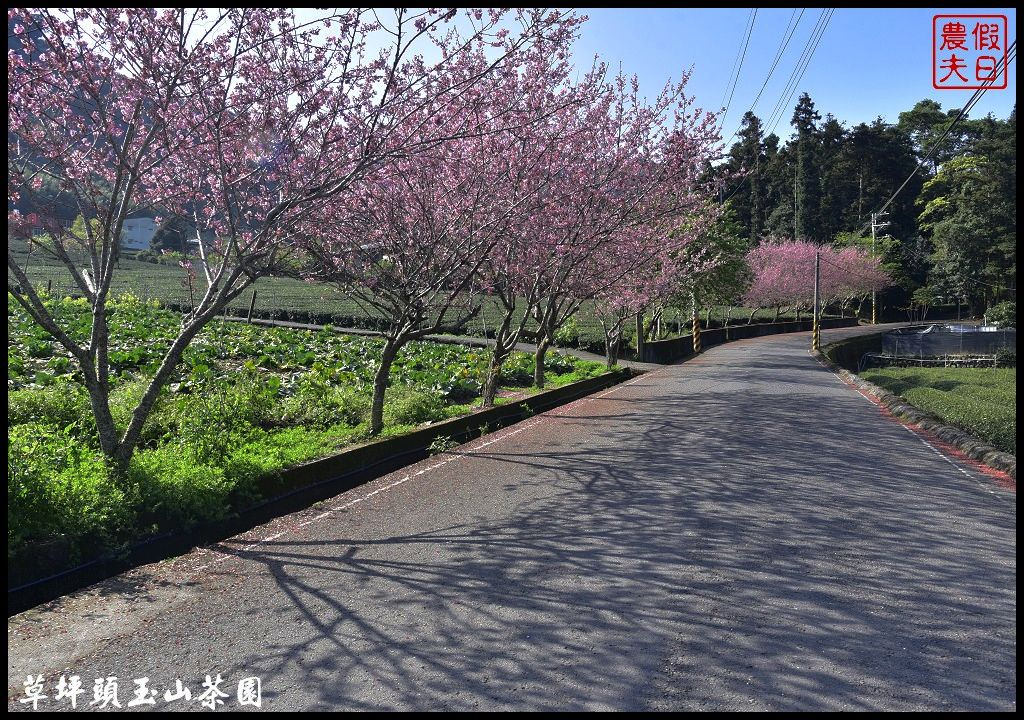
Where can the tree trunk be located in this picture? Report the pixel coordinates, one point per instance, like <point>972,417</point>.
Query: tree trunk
<point>502,349</point>
<point>130,440</point>
<point>778,309</point>
<point>381,380</point>
<point>640,337</point>
<point>612,338</point>
<point>490,389</point>
<point>99,399</point>
<point>612,354</point>
<point>751,318</point>
<point>542,348</point>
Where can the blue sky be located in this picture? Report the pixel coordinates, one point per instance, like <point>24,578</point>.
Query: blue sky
<point>870,62</point>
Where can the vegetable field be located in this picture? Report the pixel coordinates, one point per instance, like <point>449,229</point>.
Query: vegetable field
<point>247,401</point>
<point>282,297</point>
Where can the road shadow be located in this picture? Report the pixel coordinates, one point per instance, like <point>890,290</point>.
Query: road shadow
<point>681,559</point>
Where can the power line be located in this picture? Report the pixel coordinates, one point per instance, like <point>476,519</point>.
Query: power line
<point>786,89</point>
<point>1001,66</point>
<point>735,61</point>
<point>778,56</point>
<point>794,78</point>
<point>736,79</point>
<point>780,53</point>
<point>807,62</point>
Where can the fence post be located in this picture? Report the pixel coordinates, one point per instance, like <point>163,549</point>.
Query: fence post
<point>252,304</point>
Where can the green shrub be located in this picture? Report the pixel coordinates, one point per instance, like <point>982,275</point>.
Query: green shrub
<point>1006,357</point>
<point>317,404</point>
<point>405,406</point>
<point>62,404</point>
<point>442,444</point>
<point>59,488</point>
<point>568,334</point>
<point>518,370</point>
<point>1003,315</point>
<point>558,363</point>
<point>178,491</point>
<point>266,457</point>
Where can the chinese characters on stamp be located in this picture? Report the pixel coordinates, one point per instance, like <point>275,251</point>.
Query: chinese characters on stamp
<point>969,52</point>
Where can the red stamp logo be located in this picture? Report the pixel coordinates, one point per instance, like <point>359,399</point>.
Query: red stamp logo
<point>969,52</point>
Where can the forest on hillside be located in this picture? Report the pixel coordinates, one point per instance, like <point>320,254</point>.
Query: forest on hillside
<point>951,231</point>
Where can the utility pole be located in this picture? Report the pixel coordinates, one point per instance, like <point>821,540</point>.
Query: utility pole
<point>860,196</point>
<point>695,325</point>
<point>875,225</point>
<point>796,210</point>
<point>815,330</point>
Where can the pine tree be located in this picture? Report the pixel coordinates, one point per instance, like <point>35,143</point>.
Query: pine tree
<point>808,192</point>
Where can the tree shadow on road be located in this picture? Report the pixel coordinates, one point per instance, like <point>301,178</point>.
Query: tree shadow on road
<point>676,561</point>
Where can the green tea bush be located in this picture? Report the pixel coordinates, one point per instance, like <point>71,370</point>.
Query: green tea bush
<point>981,401</point>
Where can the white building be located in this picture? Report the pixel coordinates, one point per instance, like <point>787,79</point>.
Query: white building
<point>137,233</point>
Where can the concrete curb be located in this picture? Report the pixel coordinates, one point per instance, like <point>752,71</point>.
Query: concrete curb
<point>969,445</point>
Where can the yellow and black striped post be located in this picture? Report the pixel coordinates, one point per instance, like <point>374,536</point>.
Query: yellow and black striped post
<point>696,333</point>
<point>815,329</point>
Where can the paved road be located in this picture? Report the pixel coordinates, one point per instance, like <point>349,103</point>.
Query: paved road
<point>742,531</point>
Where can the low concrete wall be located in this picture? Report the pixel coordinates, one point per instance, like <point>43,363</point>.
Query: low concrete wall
<point>294,489</point>
<point>667,351</point>
<point>847,353</point>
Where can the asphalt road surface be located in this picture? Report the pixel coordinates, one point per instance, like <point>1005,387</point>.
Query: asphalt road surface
<point>741,531</point>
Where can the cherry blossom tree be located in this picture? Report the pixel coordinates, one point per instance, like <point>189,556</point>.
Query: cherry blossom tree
<point>634,176</point>
<point>413,243</point>
<point>783,274</point>
<point>244,120</point>
<point>854,274</point>
<point>514,273</point>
